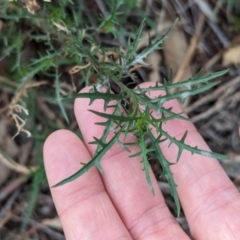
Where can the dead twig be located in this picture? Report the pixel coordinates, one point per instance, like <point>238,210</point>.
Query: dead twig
<point>50,232</point>
<point>8,162</point>
<point>231,84</point>
<point>212,21</point>
<point>206,9</point>
<point>217,107</point>
<point>11,187</point>
<point>213,60</point>
<point>6,208</point>
<point>5,219</point>
<point>28,233</point>
<point>219,33</point>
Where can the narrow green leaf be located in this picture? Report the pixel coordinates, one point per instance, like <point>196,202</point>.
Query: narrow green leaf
<point>94,96</point>
<point>57,92</point>
<point>94,162</point>
<point>120,118</point>
<point>187,83</point>
<point>151,48</point>
<point>132,47</point>
<point>136,154</point>
<point>168,118</point>
<point>166,172</point>
<point>146,165</point>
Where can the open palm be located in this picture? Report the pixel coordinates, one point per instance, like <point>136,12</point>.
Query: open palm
<point>119,204</point>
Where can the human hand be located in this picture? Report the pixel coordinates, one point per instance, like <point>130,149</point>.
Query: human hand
<point>119,204</point>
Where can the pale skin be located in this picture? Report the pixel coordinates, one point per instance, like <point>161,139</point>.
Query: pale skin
<point>119,204</point>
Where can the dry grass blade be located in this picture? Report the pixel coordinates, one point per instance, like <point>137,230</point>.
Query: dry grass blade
<point>7,81</point>
<point>218,106</point>
<point>11,149</point>
<point>15,108</point>
<point>229,85</point>
<point>5,219</point>
<point>11,164</point>
<point>7,190</point>
<point>53,223</point>
<point>190,52</point>
<point>206,9</point>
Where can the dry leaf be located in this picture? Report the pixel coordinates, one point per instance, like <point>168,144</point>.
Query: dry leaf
<point>231,56</point>
<point>174,50</point>
<point>31,5</point>
<point>76,69</point>
<point>154,60</point>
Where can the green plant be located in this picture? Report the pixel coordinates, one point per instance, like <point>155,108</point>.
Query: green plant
<point>128,117</point>
<point>74,44</point>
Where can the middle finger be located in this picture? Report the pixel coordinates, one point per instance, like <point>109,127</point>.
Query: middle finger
<point>146,216</point>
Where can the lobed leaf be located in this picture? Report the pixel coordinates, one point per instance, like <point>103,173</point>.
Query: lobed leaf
<point>94,162</point>
<point>166,172</point>
<point>143,153</point>
<point>189,83</point>
<point>194,150</point>
<point>151,48</point>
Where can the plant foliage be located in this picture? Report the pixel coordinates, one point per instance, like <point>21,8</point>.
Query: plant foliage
<point>74,43</point>
<point>133,108</point>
